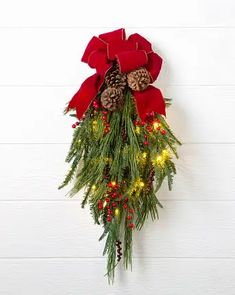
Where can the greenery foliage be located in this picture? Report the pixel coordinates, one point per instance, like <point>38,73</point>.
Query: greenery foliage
<point>122,170</point>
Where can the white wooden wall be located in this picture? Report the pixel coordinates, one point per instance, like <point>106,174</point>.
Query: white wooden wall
<point>48,244</point>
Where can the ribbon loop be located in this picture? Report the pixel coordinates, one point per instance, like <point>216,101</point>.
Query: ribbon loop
<point>131,60</point>
<point>131,54</point>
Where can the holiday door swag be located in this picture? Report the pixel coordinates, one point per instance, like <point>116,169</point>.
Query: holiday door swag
<point>122,147</point>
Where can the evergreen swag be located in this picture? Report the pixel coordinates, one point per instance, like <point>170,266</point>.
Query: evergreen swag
<point>120,157</point>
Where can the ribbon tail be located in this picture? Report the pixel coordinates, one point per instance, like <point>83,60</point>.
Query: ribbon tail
<point>148,101</point>
<point>85,95</point>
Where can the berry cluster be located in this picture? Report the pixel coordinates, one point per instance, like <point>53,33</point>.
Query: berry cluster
<point>75,124</point>
<point>114,202</point>
<point>151,124</point>
<point>105,122</point>
<point>95,105</point>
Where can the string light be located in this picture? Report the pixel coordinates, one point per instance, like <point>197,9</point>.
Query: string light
<point>94,125</point>
<point>93,187</point>
<point>113,185</point>
<point>162,158</point>
<point>144,155</point>
<point>159,160</point>
<point>139,183</point>
<point>117,212</point>
<point>156,125</point>
<point>137,129</point>
<point>165,154</point>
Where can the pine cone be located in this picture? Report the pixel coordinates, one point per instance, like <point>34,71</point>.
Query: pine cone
<point>114,78</point>
<point>112,98</point>
<point>139,79</point>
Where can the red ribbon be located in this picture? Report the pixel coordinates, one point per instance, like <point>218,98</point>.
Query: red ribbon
<point>131,54</point>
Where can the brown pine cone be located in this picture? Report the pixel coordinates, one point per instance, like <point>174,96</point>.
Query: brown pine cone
<point>112,98</point>
<point>114,78</point>
<point>139,79</point>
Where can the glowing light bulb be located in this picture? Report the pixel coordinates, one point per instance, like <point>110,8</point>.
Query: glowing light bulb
<point>156,125</point>
<point>137,129</point>
<point>159,159</point>
<point>141,184</point>
<point>113,183</point>
<point>117,212</point>
<point>93,187</point>
<point>144,155</point>
<point>165,154</point>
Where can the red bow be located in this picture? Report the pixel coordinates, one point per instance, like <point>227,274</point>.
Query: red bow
<point>131,54</point>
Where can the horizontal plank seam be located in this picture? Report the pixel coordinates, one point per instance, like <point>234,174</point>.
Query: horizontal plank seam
<point>77,85</point>
<point>101,258</point>
<point>2,27</point>
<point>68,143</point>
<point>79,200</point>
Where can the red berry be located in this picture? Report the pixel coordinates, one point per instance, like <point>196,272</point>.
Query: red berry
<point>126,200</point>
<point>104,112</point>
<point>95,105</point>
<point>110,212</point>
<point>125,206</point>
<point>131,225</point>
<point>146,142</point>
<point>131,210</point>
<point>107,200</point>
<point>114,195</point>
<point>129,217</point>
<point>100,206</point>
<point>145,136</point>
<point>114,204</point>
<point>107,125</point>
<point>136,123</point>
<point>77,123</point>
<point>150,129</point>
<point>74,126</point>
<point>142,123</point>
<point>107,206</point>
<point>104,118</point>
<point>111,184</point>
<point>109,218</point>
<point>106,130</point>
<point>163,132</point>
